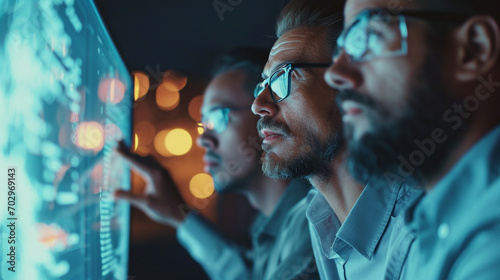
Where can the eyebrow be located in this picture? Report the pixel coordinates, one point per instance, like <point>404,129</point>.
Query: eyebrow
<point>264,76</point>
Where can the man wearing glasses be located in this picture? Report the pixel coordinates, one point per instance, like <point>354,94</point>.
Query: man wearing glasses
<point>356,229</point>
<point>418,87</point>
<point>281,246</point>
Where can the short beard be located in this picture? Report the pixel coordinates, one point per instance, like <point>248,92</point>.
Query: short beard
<point>235,183</point>
<point>388,151</point>
<point>315,158</point>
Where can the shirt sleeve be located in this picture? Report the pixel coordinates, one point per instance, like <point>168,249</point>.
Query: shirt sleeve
<point>220,258</point>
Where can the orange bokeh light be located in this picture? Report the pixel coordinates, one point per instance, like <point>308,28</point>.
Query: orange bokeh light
<point>90,136</point>
<point>194,108</point>
<point>201,185</point>
<point>136,142</point>
<point>52,236</point>
<point>159,143</point>
<point>141,85</point>
<point>166,99</point>
<point>174,80</point>
<point>111,90</point>
<point>178,142</point>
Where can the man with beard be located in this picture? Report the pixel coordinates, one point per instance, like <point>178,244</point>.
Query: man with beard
<point>281,246</point>
<point>418,94</point>
<point>356,229</point>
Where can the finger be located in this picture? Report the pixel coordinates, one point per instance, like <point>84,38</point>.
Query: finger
<point>135,200</point>
<point>143,165</point>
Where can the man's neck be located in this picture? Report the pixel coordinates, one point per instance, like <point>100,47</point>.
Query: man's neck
<point>265,193</point>
<point>479,122</point>
<point>339,189</point>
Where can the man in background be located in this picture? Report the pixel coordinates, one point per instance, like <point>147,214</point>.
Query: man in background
<point>281,247</point>
<point>421,106</point>
<point>356,228</point>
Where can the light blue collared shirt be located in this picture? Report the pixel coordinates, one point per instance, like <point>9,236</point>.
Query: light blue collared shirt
<point>457,224</point>
<point>372,243</point>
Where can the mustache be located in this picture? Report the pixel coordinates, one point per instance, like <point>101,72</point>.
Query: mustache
<point>352,95</point>
<point>271,124</point>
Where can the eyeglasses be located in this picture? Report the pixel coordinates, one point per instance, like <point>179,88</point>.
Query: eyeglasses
<point>280,80</point>
<point>376,33</point>
<point>217,119</point>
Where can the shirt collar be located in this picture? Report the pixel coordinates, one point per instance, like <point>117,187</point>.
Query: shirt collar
<point>478,168</point>
<point>369,217</point>
<point>363,227</point>
<point>323,220</point>
<point>295,191</point>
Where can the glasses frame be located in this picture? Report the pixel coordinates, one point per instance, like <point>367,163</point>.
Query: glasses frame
<point>288,68</point>
<point>225,111</point>
<point>403,28</point>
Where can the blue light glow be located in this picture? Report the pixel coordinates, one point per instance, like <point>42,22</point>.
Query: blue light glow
<point>54,55</point>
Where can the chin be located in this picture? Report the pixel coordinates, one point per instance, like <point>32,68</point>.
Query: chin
<point>221,179</point>
<point>272,165</point>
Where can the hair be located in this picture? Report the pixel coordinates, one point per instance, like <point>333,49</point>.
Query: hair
<point>485,7</point>
<point>313,14</point>
<point>467,8</point>
<point>249,59</point>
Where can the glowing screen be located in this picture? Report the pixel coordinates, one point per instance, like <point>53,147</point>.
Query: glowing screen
<point>65,98</point>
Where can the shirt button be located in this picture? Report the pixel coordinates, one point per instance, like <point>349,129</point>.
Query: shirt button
<point>443,231</point>
<point>342,261</point>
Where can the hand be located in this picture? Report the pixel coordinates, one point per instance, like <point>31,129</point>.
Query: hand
<point>161,200</point>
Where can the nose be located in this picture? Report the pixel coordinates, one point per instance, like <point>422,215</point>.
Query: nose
<point>207,140</point>
<point>263,105</point>
<point>342,74</point>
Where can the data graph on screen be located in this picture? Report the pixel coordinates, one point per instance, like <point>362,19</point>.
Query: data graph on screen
<point>66,100</point>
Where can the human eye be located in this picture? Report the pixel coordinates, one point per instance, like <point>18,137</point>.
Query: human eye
<point>356,40</point>
<point>374,33</point>
<point>279,83</point>
<point>381,36</point>
<point>375,39</point>
<point>217,118</point>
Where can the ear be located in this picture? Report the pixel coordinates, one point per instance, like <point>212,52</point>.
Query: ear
<point>478,41</point>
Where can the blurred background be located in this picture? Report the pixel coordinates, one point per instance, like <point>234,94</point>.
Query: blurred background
<point>169,46</point>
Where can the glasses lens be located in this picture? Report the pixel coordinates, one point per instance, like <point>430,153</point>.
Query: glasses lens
<point>216,120</point>
<point>355,43</point>
<point>384,36</point>
<point>279,85</point>
<point>375,35</point>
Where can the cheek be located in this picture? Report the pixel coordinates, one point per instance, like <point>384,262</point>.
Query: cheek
<point>317,114</point>
<point>229,141</point>
<point>388,81</point>
<point>241,146</point>
<point>307,124</point>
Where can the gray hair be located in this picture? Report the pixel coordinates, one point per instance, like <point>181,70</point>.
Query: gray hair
<point>311,14</point>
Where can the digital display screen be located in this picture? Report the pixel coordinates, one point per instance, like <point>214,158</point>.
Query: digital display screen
<point>66,99</point>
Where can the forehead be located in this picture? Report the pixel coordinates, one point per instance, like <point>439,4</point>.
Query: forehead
<point>298,45</point>
<point>354,7</point>
<point>227,89</point>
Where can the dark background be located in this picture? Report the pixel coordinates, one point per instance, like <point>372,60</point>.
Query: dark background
<point>185,35</point>
<point>154,36</point>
